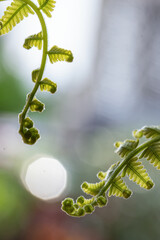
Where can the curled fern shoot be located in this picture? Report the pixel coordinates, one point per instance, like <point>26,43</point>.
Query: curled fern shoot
<point>112,182</point>
<point>13,15</point>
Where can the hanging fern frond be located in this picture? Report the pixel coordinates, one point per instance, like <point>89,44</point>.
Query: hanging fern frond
<point>59,54</point>
<point>92,188</point>
<point>48,85</point>
<point>119,188</point>
<point>13,15</point>
<point>124,148</point>
<point>137,173</point>
<point>152,154</point>
<point>47,6</point>
<point>33,40</point>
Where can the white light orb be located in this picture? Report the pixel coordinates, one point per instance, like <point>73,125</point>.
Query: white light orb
<point>46,178</point>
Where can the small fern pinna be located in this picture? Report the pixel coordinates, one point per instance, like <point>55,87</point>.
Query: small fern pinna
<point>12,16</point>
<point>111,182</point>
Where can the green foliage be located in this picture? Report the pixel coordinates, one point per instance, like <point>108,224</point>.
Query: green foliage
<point>119,189</point>
<point>81,201</point>
<point>13,15</point>
<point>34,40</point>
<point>92,188</point>
<point>36,106</point>
<point>28,123</point>
<point>47,6</point>
<point>112,180</point>
<point>136,172</point>
<point>59,54</point>
<point>124,148</point>
<point>35,75</point>
<point>101,201</point>
<point>152,154</point>
<point>48,85</point>
<point>151,132</point>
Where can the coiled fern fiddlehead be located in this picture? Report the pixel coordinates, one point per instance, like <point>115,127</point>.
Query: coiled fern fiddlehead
<point>111,182</point>
<point>12,16</point>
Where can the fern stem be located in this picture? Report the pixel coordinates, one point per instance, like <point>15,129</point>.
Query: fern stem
<point>43,62</point>
<point>124,162</point>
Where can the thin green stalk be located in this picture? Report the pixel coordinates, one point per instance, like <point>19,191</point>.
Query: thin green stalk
<point>43,62</point>
<point>124,162</point>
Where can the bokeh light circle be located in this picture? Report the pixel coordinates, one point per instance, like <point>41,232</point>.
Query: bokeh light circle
<point>46,178</point>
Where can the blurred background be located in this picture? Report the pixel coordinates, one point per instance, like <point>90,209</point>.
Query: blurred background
<point>111,88</point>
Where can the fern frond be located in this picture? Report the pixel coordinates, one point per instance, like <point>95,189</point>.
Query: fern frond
<point>33,40</point>
<point>152,154</point>
<point>151,132</point>
<point>59,54</point>
<point>47,6</point>
<point>119,188</point>
<point>124,148</point>
<point>137,173</point>
<point>48,85</point>
<point>13,15</point>
<point>92,188</point>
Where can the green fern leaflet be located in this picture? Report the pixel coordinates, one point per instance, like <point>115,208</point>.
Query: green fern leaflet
<point>119,188</point>
<point>59,54</point>
<point>137,173</point>
<point>152,154</point>
<point>33,40</point>
<point>48,85</point>
<point>47,6</point>
<point>92,188</point>
<point>13,15</point>
<point>151,132</point>
<point>124,148</point>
